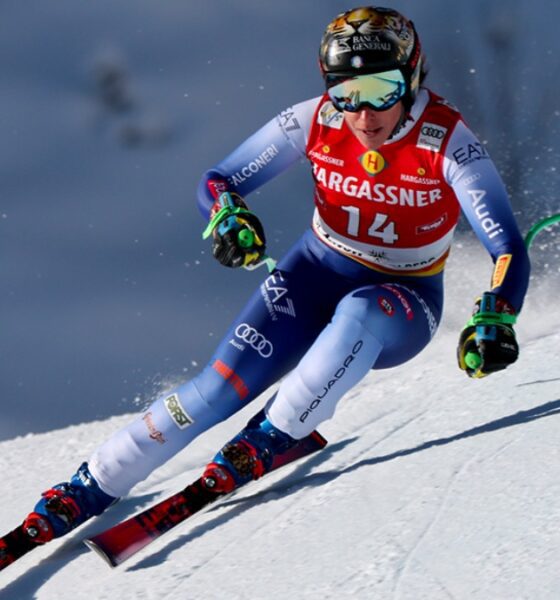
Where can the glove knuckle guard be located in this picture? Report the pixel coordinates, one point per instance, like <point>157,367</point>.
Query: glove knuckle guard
<point>238,235</point>
<point>489,338</point>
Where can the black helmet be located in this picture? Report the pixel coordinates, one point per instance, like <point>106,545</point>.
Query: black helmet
<point>372,40</point>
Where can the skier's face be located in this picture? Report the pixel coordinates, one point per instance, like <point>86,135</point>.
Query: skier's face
<point>373,127</point>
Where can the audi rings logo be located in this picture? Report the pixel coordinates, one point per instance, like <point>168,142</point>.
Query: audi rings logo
<point>431,136</point>
<point>256,340</point>
<point>433,132</point>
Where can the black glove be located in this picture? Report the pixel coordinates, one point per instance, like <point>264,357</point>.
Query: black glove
<point>238,235</point>
<point>487,343</point>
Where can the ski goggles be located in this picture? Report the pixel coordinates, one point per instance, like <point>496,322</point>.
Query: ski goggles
<point>379,91</point>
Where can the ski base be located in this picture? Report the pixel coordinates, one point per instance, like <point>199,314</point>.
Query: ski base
<point>117,544</point>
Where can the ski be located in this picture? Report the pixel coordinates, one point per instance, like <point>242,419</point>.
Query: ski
<point>118,543</point>
<point>14,545</point>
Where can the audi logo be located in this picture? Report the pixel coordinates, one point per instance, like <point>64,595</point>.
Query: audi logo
<point>255,339</point>
<point>433,132</point>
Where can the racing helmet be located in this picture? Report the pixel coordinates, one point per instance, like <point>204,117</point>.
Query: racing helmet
<point>372,40</point>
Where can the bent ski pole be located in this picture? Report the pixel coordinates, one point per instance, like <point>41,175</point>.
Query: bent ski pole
<point>539,226</point>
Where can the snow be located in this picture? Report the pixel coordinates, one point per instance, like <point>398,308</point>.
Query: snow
<point>432,485</point>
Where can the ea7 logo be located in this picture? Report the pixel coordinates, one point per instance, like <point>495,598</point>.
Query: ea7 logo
<point>274,292</point>
<point>176,411</point>
<point>288,121</point>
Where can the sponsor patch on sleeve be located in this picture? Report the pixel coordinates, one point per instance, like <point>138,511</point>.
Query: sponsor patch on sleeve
<point>176,412</point>
<point>500,270</point>
<point>329,116</point>
<point>431,136</point>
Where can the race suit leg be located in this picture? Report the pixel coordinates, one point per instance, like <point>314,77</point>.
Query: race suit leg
<point>287,320</point>
<point>268,338</point>
<point>376,326</point>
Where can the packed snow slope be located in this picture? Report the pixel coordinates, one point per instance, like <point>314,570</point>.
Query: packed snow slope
<point>432,487</point>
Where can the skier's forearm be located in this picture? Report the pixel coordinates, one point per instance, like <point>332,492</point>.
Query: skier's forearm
<point>271,150</point>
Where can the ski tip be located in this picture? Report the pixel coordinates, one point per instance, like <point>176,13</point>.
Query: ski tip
<point>321,441</point>
<point>98,550</point>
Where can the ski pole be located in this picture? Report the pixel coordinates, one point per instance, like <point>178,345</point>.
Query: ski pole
<point>539,226</point>
<point>246,235</point>
<point>473,359</point>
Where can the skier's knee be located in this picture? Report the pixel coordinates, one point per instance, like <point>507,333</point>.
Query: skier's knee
<point>360,306</point>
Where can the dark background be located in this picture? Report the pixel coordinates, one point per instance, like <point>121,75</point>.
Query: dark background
<point>109,114</point>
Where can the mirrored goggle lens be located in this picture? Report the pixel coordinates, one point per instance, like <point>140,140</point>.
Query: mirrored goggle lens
<point>379,91</point>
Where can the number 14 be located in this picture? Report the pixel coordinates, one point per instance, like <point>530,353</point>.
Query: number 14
<point>380,228</point>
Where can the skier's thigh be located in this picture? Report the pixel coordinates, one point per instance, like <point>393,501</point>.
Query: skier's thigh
<point>403,318</point>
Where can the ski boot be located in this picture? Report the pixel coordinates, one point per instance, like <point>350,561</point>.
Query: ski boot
<point>249,455</point>
<point>61,509</point>
<point>66,506</point>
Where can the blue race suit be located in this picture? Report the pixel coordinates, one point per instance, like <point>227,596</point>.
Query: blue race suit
<point>332,310</point>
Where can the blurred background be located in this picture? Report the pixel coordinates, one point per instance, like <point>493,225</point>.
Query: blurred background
<point>109,114</point>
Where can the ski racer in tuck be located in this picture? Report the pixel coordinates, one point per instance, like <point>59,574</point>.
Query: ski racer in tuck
<point>393,165</point>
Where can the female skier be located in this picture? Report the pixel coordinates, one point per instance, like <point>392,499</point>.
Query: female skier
<point>393,164</point>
